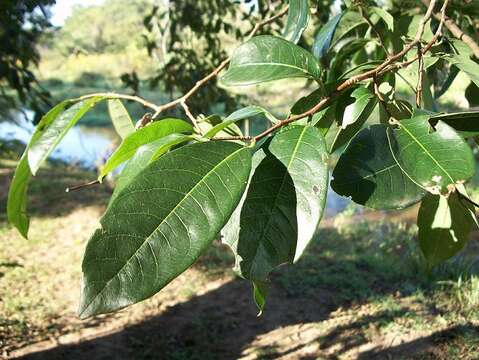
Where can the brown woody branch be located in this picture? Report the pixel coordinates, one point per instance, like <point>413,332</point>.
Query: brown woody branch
<point>457,32</point>
<point>368,74</point>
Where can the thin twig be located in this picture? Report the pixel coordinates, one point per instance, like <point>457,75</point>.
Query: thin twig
<point>138,99</point>
<point>190,116</point>
<point>82,186</point>
<point>457,32</point>
<point>373,28</point>
<point>420,76</point>
<point>361,77</point>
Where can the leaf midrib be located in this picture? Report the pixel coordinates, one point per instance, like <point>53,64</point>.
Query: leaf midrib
<point>427,152</point>
<point>273,64</point>
<point>187,195</point>
<point>277,194</point>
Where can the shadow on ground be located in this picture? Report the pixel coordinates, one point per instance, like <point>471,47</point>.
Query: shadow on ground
<point>222,323</point>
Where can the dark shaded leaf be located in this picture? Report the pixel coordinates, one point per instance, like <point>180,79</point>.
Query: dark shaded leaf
<point>368,173</point>
<point>324,37</point>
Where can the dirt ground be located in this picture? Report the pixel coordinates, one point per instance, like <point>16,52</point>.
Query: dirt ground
<point>359,293</point>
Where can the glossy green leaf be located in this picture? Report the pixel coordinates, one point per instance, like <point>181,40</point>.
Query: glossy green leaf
<point>122,122</point>
<point>17,197</point>
<point>368,173</point>
<point>353,118</point>
<point>433,158</point>
<point>298,17</point>
<point>161,223</point>
<point>324,37</point>
<point>466,123</point>
<point>145,135</point>
<point>267,58</point>
<point>282,209</point>
<point>53,127</point>
<point>445,224</point>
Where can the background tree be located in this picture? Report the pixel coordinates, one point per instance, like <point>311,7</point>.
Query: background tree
<point>23,22</point>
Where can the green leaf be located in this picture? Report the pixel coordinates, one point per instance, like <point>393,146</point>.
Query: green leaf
<point>17,197</point>
<point>53,127</point>
<point>145,135</point>
<point>384,15</point>
<point>241,114</point>
<point>368,173</point>
<point>260,293</point>
<point>324,37</point>
<point>350,21</point>
<point>121,119</point>
<point>362,100</point>
<point>463,60</point>
<point>433,158</point>
<point>472,95</point>
<point>282,209</point>
<point>221,129</point>
<point>42,138</point>
<point>267,58</point>
<point>355,116</point>
<point>161,223</point>
<point>445,224</point>
<point>307,102</point>
<point>298,17</point>
<point>466,123</point>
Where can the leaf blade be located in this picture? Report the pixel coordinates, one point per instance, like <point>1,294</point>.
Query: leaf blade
<point>145,135</point>
<point>120,118</point>
<point>268,58</point>
<point>298,18</point>
<point>368,173</point>
<point>168,232</point>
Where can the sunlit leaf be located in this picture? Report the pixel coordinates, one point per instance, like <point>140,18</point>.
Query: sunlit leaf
<point>267,58</point>
<point>120,118</point>
<point>433,158</point>
<point>298,17</point>
<point>279,215</point>
<point>161,222</point>
<point>153,132</point>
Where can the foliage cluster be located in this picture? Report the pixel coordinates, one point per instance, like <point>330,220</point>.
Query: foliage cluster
<point>186,182</point>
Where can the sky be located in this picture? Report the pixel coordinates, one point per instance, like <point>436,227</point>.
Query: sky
<point>63,8</point>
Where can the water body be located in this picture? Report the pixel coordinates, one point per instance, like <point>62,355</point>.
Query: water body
<point>82,146</point>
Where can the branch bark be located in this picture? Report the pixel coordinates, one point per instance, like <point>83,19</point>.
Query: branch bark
<point>457,32</point>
